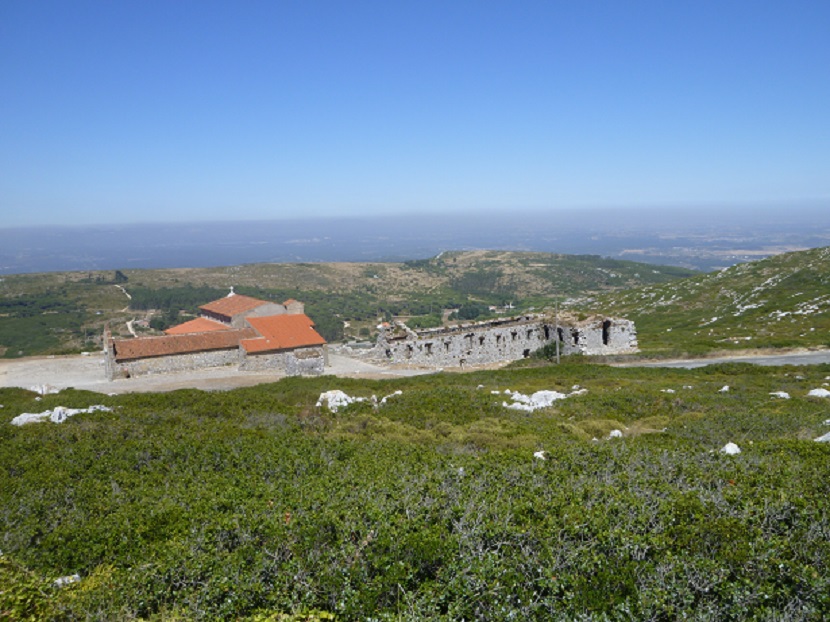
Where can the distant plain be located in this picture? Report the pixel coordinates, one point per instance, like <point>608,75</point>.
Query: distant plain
<point>701,238</point>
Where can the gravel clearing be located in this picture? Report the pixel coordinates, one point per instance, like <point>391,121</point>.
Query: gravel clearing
<point>87,373</point>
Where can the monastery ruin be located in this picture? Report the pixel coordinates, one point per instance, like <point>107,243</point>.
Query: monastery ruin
<point>252,334</point>
<point>502,340</point>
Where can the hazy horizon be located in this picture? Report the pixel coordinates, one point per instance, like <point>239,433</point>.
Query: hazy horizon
<point>702,238</point>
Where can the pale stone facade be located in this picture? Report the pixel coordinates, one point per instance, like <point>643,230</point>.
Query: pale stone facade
<point>299,362</point>
<point>502,340</point>
<point>175,363</point>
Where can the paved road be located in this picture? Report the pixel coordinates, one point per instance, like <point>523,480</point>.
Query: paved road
<point>790,358</point>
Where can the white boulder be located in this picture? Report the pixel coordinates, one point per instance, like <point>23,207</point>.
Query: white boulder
<point>730,449</point>
<point>337,399</point>
<point>67,580</point>
<point>59,415</point>
<point>540,399</point>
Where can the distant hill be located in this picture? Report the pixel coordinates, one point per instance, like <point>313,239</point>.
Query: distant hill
<point>781,301</point>
<point>66,311</point>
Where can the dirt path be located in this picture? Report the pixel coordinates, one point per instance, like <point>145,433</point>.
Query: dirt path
<point>765,357</point>
<point>87,373</point>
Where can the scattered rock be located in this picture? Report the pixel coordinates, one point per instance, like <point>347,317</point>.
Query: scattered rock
<point>782,394</point>
<point>730,449</point>
<point>615,434</point>
<point>819,393</point>
<point>540,399</point>
<point>724,389</point>
<point>539,455</point>
<point>825,438</point>
<point>59,415</point>
<point>337,399</point>
<point>67,580</point>
<point>398,392</point>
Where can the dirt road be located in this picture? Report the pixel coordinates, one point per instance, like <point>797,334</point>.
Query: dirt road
<point>791,357</point>
<point>87,373</point>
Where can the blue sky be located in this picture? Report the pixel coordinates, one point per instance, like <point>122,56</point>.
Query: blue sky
<point>170,111</point>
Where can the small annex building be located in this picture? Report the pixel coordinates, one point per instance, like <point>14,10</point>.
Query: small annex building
<point>251,334</point>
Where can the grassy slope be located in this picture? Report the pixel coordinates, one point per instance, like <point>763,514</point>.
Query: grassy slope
<point>219,505</point>
<point>782,301</point>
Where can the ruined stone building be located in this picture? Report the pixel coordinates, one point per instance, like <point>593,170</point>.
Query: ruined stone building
<point>504,339</point>
<point>252,334</point>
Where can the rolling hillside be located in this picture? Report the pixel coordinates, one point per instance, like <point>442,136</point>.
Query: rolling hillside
<point>66,312</point>
<point>779,302</point>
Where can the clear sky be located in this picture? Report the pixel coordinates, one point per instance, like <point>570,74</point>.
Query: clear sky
<point>123,111</point>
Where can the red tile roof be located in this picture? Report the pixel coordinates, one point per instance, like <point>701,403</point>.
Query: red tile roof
<point>281,332</point>
<point>233,305</point>
<point>199,325</point>
<point>144,347</point>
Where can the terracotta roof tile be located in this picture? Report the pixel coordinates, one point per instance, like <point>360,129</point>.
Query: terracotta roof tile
<point>144,347</point>
<point>281,332</point>
<point>199,325</point>
<point>233,305</point>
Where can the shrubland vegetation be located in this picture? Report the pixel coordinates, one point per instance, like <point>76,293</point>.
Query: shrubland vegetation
<point>39,323</point>
<point>257,504</point>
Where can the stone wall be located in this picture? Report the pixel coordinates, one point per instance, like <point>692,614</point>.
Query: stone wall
<point>301,362</point>
<point>173,363</point>
<point>606,336</point>
<point>502,340</point>
<point>272,308</point>
<point>467,344</point>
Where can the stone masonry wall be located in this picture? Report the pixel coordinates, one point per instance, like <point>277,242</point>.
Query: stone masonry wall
<point>272,308</point>
<point>175,363</point>
<point>608,336</point>
<point>303,362</point>
<point>502,340</point>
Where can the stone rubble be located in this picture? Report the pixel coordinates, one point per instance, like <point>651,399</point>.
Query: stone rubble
<point>540,399</point>
<point>336,399</point>
<point>58,415</point>
<point>730,449</point>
